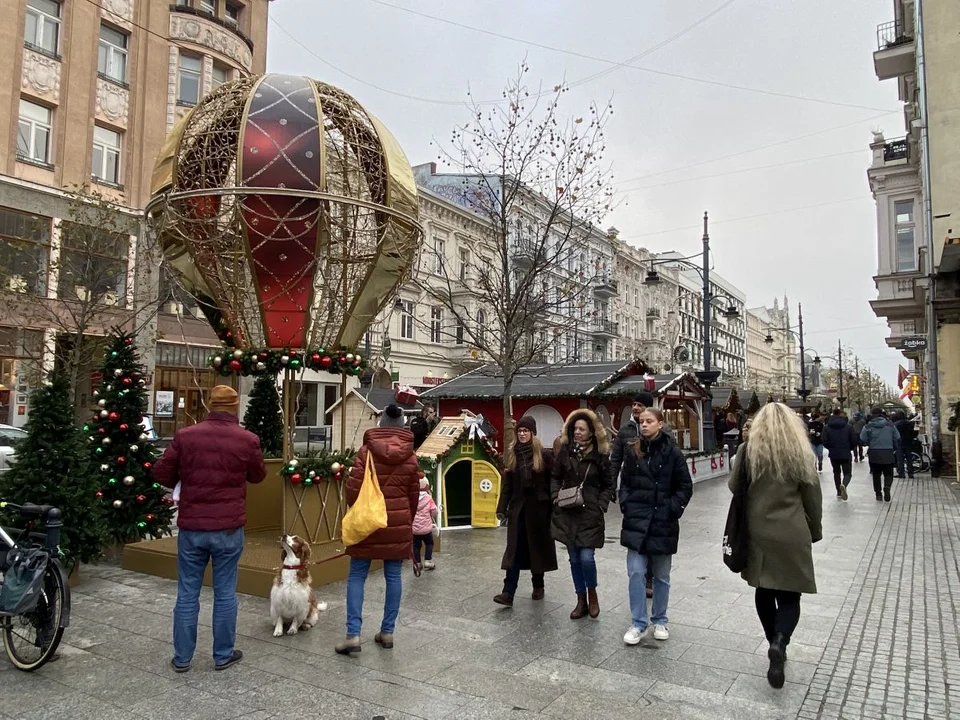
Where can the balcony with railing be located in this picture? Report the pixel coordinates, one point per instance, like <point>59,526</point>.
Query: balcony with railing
<point>898,149</point>
<point>605,287</point>
<point>896,50</point>
<point>606,329</point>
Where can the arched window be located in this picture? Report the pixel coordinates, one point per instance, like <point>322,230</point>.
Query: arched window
<point>481,326</point>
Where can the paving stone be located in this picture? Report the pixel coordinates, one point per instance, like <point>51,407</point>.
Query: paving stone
<point>518,691</point>
<point>571,676</point>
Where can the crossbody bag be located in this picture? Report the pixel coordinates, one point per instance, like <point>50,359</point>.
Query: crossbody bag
<point>572,497</point>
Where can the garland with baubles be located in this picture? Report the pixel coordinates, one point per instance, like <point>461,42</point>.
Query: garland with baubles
<point>230,362</point>
<point>329,466</point>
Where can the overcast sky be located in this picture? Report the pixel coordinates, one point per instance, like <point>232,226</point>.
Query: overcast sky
<point>784,179</point>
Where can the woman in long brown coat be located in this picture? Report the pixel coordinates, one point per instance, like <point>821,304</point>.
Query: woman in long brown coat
<point>784,507</point>
<point>397,471</point>
<point>525,504</point>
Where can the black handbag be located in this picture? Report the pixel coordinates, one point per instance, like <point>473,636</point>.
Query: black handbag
<point>736,539</point>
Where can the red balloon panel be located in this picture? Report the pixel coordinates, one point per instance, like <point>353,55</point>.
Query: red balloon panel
<point>281,148</point>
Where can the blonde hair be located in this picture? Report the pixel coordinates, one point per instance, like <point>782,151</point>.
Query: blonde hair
<point>510,455</point>
<point>779,449</point>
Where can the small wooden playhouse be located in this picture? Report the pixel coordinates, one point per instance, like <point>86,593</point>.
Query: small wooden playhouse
<point>463,466</point>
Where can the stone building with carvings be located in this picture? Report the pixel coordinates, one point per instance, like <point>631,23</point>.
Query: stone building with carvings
<point>88,92</point>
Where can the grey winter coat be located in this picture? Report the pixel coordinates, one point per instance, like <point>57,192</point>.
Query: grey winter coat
<point>783,521</point>
<point>583,526</point>
<point>882,440</point>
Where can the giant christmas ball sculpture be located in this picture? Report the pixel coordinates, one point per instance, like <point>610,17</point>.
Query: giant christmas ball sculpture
<point>289,212</point>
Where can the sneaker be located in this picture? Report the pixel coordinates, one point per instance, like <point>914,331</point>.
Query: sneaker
<point>634,635</point>
<point>180,668</point>
<point>843,491</point>
<point>660,632</point>
<point>879,497</point>
<point>237,657</point>
<point>429,565</point>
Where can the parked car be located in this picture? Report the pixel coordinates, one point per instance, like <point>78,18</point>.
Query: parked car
<point>10,437</point>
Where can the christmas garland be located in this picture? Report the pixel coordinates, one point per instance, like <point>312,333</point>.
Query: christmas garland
<point>323,466</point>
<point>230,362</point>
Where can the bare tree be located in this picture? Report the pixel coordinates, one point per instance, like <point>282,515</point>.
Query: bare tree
<point>539,185</point>
<point>80,289</point>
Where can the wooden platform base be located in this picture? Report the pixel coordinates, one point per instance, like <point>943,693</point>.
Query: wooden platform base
<point>258,564</point>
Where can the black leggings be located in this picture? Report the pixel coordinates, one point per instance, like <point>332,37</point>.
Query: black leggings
<point>425,540</point>
<point>779,612</point>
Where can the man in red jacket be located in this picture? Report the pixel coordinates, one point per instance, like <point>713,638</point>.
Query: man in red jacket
<point>213,461</point>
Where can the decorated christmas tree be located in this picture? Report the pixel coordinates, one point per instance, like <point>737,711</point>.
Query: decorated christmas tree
<point>134,505</point>
<point>263,416</point>
<point>753,407</point>
<point>52,467</point>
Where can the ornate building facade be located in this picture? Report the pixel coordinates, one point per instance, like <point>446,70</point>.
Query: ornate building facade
<point>88,92</point>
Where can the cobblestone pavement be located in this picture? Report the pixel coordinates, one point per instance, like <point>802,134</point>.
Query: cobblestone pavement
<point>880,640</point>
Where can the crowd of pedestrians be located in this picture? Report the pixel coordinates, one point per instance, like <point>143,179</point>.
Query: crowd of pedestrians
<point>548,496</point>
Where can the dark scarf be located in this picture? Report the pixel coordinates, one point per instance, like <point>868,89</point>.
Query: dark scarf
<point>524,469</point>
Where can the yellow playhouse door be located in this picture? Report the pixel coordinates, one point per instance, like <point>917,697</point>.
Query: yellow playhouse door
<point>486,494</point>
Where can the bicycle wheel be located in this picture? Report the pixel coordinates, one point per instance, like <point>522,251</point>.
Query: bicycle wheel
<point>921,462</point>
<point>31,640</point>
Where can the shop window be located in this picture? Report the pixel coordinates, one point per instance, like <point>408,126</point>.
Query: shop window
<point>24,252</point>
<point>93,266</point>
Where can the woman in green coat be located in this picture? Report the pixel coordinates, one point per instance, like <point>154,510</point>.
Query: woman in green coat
<point>784,506</point>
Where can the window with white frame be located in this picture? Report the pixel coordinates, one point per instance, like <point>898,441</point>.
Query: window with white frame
<point>34,127</point>
<point>112,54</point>
<point>219,77</point>
<point>43,25</point>
<point>464,264</point>
<point>209,6</point>
<point>481,327</point>
<point>459,333</point>
<point>906,245</point>
<point>231,13</point>
<point>439,255</point>
<point>188,80</point>
<point>106,155</point>
<point>436,324</point>
<point>407,319</point>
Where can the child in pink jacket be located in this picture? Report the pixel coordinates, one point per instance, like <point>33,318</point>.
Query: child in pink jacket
<point>423,528</point>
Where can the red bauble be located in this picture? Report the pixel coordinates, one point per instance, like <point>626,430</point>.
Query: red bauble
<point>296,478</point>
<point>121,460</point>
<point>150,516</point>
<point>102,430</point>
<point>236,365</point>
<point>315,357</point>
<point>127,381</point>
<point>141,499</point>
<point>128,341</point>
<point>113,417</point>
<point>326,361</point>
<point>338,475</point>
<point>166,500</point>
<point>263,356</point>
<point>124,427</point>
<point>147,466</point>
<point>99,493</point>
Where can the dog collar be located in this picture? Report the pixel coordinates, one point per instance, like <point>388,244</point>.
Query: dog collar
<point>293,567</point>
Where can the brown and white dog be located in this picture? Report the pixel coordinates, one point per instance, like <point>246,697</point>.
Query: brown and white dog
<point>292,601</point>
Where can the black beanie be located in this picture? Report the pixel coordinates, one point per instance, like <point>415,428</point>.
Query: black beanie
<point>645,398</point>
<point>529,423</point>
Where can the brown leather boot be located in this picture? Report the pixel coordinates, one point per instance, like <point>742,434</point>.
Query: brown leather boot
<point>594,602</point>
<point>581,609</point>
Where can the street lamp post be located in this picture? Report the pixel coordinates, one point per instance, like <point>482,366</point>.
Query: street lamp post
<point>708,376</point>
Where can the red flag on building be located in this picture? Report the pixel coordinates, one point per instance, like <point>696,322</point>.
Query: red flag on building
<point>902,375</point>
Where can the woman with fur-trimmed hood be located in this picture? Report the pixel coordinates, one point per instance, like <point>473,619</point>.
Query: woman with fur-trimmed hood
<point>583,460</point>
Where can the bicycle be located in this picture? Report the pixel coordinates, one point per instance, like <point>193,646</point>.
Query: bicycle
<point>31,638</point>
<point>920,458</point>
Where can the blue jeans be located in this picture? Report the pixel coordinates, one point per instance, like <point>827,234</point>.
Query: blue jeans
<point>391,603</point>
<point>583,567</point>
<point>637,573</point>
<point>195,548</point>
<point>818,451</point>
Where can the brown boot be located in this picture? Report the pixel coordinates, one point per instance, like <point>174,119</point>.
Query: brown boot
<point>594,602</point>
<point>349,646</point>
<point>581,609</point>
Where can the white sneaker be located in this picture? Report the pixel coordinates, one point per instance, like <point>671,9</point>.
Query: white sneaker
<point>634,635</point>
<point>660,632</point>
<point>429,564</point>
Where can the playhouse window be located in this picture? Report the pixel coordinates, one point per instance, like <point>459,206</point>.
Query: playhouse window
<point>467,447</point>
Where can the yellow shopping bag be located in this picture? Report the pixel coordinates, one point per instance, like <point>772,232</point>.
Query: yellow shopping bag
<point>369,513</point>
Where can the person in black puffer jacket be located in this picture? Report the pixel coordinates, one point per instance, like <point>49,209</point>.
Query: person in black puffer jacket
<point>654,491</point>
<point>840,441</point>
<point>583,460</point>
